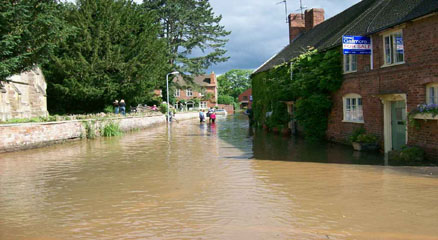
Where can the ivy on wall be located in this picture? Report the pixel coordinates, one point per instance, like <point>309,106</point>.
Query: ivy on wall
<point>308,80</point>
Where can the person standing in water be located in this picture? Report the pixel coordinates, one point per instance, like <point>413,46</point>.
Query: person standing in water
<point>201,116</point>
<point>213,117</point>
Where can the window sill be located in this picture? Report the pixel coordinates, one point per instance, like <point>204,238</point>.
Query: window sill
<point>391,65</point>
<point>348,121</point>
<point>350,72</point>
<point>426,116</point>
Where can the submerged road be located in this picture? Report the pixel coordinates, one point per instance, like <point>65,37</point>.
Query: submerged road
<point>198,181</point>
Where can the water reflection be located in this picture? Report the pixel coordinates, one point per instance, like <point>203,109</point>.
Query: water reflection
<point>199,181</point>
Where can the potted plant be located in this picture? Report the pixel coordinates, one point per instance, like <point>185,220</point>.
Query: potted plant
<point>365,142</point>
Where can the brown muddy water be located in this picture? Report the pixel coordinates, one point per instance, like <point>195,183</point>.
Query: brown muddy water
<point>211,182</point>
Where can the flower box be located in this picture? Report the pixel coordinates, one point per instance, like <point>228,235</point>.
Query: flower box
<point>426,116</point>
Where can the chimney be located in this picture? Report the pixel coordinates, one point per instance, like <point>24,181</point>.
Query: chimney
<point>313,17</point>
<point>296,25</point>
<point>212,78</point>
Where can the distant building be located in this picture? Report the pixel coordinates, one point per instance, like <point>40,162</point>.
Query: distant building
<point>23,96</point>
<point>245,99</point>
<point>202,93</point>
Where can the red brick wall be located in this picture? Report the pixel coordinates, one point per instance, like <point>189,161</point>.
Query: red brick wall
<point>228,108</point>
<point>420,67</point>
<point>247,94</point>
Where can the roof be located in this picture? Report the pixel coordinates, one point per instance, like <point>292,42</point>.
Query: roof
<point>364,18</point>
<point>201,80</point>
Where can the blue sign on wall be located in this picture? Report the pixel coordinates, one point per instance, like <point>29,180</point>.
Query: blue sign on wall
<point>356,45</point>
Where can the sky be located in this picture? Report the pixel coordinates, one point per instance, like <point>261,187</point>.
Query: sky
<point>259,28</point>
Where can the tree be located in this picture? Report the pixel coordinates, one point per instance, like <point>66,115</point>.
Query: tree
<point>114,53</point>
<point>29,32</point>
<point>195,39</point>
<point>234,82</point>
<point>225,99</point>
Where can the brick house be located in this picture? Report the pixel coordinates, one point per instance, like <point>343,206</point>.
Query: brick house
<point>245,99</point>
<point>202,93</point>
<point>378,90</point>
<point>23,96</point>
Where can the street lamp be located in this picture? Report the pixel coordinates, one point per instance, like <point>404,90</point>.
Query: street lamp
<point>167,90</point>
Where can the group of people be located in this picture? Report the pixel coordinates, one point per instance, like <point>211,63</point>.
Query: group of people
<point>119,107</point>
<point>210,114</point>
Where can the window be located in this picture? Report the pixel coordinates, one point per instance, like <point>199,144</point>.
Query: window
<point>353,108</point>
<point>177,93</point>
<point>393,48</point>
<point>350,63</point>
<point>203,105</point>
<point>189,92</point>
<point>432,93</point>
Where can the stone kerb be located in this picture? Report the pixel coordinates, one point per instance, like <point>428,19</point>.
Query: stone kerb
<point>20,136</point>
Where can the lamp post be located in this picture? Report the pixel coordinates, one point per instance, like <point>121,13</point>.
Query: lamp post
<point>167,91</point>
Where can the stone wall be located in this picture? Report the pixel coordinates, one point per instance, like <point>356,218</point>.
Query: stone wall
<point>22,136</point>
<point>23,96</point>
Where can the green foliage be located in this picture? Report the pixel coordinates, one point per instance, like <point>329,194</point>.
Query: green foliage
<point>308,80</point>
<point>163,108</point>
<point>111,129</point>
<point>190,26</point>
<point>355,134</point>
<point>90,130</point>
<point>29,30</point>
<point>225,99</point>
<point>108,109</point>
<point>408,155</point>
<point>234,82</point>
<point>113,53</point>
<point>366,138</point>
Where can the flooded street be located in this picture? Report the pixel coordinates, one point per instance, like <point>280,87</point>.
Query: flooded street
<point>211,182</point>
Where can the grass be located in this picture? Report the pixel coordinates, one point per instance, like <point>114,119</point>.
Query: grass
<point>111,129</point>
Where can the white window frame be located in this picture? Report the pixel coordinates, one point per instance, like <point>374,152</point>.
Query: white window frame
<point>189,92</point>
<point>353,108</point>
<point>390,51</point>
<point>350,63</point>
<point>203,105</point>
<point>177,93</point>
<point>432,93</point>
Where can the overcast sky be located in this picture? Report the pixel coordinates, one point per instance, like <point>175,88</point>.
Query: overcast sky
<point>259,28</point>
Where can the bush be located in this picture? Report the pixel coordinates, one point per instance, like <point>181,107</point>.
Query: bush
<point>356,133</point>
<point>108,109</point>
<point>163,108</point>
<point>366,138</point>
<point>408,155</point>
<point>111,129</point>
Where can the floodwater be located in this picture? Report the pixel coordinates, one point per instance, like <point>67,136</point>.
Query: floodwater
<point>211,182</point>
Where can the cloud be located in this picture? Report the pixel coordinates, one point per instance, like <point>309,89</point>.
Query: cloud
<point>259,28</point>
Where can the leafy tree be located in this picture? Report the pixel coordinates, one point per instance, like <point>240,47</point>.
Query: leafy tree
<point>225,99</point>
<point>114,53</point>
<point>29,32</point>
<point>195,39</point>
<point>234,82</point>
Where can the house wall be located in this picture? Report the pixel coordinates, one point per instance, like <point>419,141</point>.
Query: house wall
<point>23,96</point>
<point>421,67</point>
<point>247,94</point>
